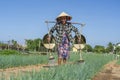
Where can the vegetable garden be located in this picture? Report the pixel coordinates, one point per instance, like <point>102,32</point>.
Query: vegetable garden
<point>77,71</point>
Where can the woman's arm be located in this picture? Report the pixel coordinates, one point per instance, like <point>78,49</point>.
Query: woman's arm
<point>74,29</point>
<point>52,30</point>
<point>50,33</point>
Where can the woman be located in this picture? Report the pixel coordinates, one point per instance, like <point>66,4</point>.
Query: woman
<point>63,36</point>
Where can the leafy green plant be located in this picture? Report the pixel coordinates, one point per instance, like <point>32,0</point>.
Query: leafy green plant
<point>7,61</point>
<point>85,71</point>
<point>8,52</point>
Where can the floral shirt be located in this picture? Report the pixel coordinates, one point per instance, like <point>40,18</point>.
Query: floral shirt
<point>60,29</point>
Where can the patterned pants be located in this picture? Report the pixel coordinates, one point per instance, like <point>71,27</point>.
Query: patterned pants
<point>63,48</point>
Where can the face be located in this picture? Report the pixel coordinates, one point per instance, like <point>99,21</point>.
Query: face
<point>63,20</point>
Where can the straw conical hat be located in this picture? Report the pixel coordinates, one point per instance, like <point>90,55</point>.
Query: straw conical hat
<point>63,14</point>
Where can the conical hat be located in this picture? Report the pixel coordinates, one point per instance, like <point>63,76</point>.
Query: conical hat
<point>63,14</point>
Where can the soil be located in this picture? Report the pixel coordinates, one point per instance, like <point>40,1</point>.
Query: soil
<point>20,70</point>
<point>111,71</point>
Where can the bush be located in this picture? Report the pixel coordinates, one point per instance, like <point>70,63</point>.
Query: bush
<point>8,52</point>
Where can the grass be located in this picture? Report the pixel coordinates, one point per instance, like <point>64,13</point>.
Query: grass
<point>118,61</point>
<point>7,61</point>
<point>93,63</point>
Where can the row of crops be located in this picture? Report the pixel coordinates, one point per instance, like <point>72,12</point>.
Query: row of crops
<point>118,61</point>
<point>85,71</point>
<point>21,60</point>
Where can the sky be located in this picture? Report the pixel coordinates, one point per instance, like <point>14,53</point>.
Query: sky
<point>25,19</point>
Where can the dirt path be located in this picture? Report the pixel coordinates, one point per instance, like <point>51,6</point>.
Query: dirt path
<point>110,72</point>
<point>21,70</point>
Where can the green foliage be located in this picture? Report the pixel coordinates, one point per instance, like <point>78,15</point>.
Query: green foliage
<point>118,62</point>
<point>99,49</point>
<point>88,48</point>
<point>109,47</point>
<point>8,52</point>
<point>3,45</point>
<point>7,61</point>
<point>33,45</point>
<point>118,59</point>
<point>118,49</point>
<point>93,63</point>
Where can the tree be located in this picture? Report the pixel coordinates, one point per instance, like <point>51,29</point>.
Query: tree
<point>33,45</point>
<point>117,49</point>
<point>3,45</point>
<point>14,44</point>
<point>88,48</point>
<point>29,43</point>
<point>99,49</point>
<point>110,47</point>
<point>37,43</point>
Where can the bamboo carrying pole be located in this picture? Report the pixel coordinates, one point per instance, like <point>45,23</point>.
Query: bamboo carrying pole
<point>82,24</point>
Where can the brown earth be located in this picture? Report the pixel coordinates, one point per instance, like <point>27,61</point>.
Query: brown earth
<point>111,71</point>
<point>20,70</point>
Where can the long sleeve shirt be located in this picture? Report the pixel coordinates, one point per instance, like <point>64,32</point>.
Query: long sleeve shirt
<point>66,28</point>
